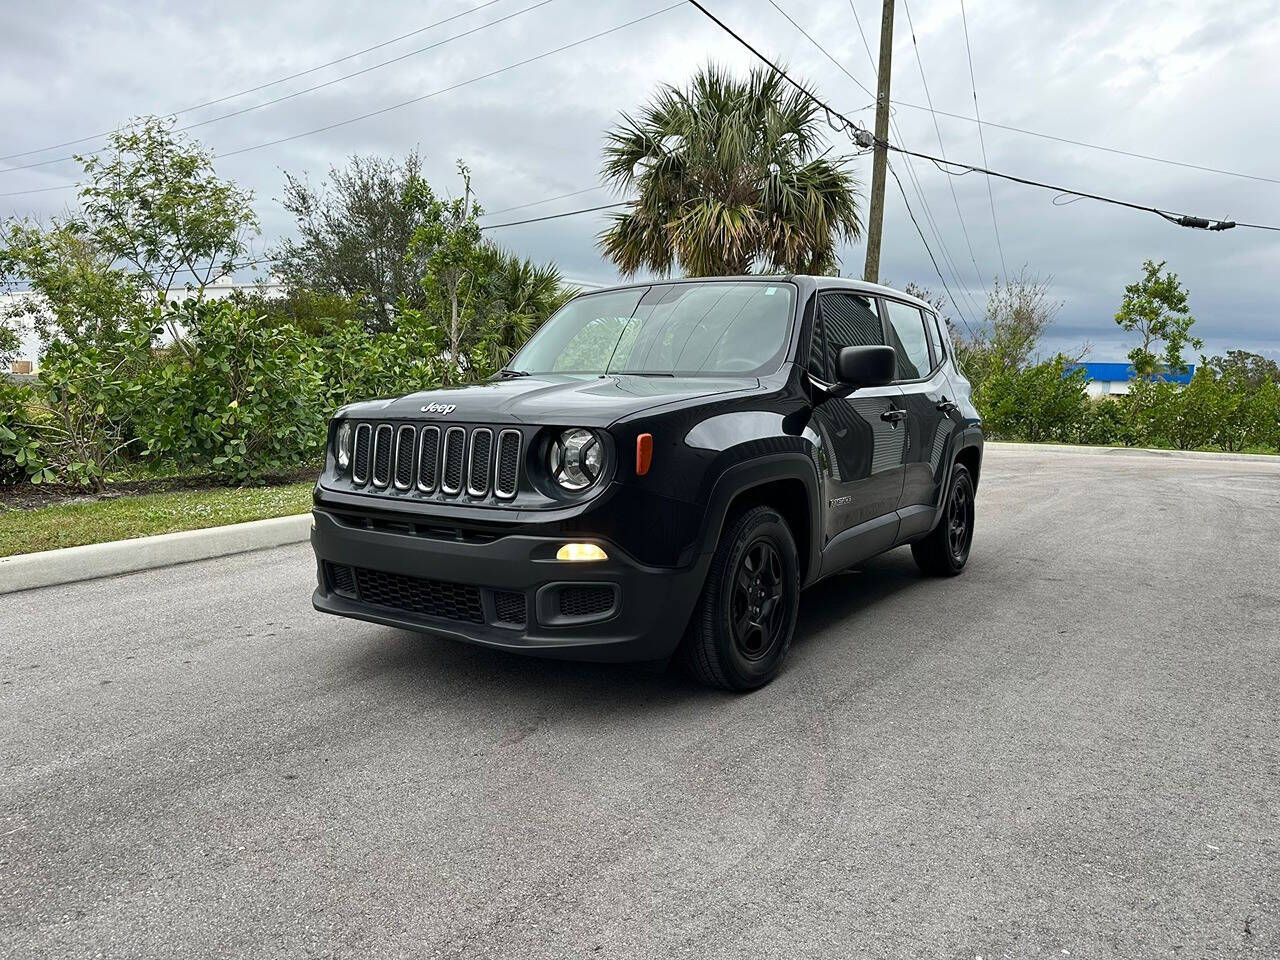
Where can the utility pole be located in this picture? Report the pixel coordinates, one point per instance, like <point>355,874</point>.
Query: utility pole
<point>875,222</point>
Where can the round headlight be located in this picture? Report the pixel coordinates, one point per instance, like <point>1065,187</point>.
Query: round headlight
<point>342,445</point>
<point>577,459</point>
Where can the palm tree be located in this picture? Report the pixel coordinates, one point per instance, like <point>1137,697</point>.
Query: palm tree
<point>523,294</point>
<point>729,176</point>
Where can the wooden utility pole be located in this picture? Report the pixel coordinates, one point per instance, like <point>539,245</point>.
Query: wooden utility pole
<point>875,222</point>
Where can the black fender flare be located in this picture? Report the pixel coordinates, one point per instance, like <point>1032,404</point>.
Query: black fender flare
<point>742,477</point>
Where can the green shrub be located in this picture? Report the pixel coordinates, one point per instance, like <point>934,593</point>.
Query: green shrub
<point>20,454</point>
<point>1105,423</point>
<point>246,403</point>
<point>1036,404</point>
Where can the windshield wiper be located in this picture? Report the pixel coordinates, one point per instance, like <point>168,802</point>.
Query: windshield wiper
<point>507,374</point>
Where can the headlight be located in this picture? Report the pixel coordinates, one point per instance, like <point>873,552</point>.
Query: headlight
<point>577,459</point>
<point>342,445</point>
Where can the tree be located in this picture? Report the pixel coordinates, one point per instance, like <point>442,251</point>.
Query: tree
<point>1005,341</point>
<point>731,176</point>
<point>1244,370</point>
<point>525,294</point>
<point>152,200</point>
<point>355,234</point>
<point>1040,402</point>
<point>1155,308</point>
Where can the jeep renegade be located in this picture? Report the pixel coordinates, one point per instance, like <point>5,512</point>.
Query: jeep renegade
<point>660,470</point>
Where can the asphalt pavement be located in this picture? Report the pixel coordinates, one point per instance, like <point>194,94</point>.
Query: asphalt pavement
<point>1071,750</point>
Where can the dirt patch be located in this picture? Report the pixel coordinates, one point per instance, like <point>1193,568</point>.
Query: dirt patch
<point>28,496</point>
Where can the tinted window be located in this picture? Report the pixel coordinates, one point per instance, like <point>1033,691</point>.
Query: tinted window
<point>848,320</point>
<point>906,330</point>
<point>935,339</point>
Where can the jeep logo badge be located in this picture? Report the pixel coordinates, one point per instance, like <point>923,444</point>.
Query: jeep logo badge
<point>444,409</point>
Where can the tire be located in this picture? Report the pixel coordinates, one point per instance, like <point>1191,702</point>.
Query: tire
<point>741,629</point>
<point>944,552</point>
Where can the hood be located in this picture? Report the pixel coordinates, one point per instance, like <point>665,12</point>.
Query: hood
<point>552,399</point>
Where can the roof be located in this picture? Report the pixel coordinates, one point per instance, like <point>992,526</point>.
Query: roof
<point>1123,372</point>
<point>823,282</point>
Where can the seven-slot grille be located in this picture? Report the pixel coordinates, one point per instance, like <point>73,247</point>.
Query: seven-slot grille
<point>479,461</point>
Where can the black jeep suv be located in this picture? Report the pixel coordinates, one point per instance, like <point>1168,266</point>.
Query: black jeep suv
<point>661,469</point>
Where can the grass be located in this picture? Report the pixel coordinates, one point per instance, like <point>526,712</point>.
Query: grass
<point>75,524</point>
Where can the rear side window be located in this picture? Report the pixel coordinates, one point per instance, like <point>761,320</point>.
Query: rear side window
<point>847,320</point>
<point>906,331</point>
<point>936,340</point>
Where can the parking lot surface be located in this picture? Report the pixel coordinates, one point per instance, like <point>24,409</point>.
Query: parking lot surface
<point>1072,749</point>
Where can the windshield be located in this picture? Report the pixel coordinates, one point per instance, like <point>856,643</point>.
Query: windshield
<point>684,329</point>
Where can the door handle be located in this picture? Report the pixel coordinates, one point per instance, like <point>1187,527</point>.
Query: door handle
<point>948,406</point>
<point>893,415</point>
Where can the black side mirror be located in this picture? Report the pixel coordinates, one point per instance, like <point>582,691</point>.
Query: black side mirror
<point>866,367</point>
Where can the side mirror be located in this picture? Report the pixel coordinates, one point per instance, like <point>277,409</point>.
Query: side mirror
<point>866,367</point>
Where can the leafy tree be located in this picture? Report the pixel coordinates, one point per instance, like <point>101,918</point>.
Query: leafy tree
<point>152,200</point>
<point>1019,311</point>
<point>730,176</point>
<point>10,343</point>
<point>1040,403</point>
<point>1155,308</point>
<point>1244,370</point>
<point>314,313</point>
<point>354,236</point>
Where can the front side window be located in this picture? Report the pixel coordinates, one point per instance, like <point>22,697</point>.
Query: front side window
<point>690,329</point>
<point>906,331</point>
<point>847,320</point>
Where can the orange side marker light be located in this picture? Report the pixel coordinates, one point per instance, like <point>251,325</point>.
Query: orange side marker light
<point>644,453</point>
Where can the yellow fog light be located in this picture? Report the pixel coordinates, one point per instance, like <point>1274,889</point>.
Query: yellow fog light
<point>581,551</point>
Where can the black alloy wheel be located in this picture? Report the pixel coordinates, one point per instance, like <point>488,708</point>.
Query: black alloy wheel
<point>757,605</point>
<point>945,551</point>
<point>741,628</point>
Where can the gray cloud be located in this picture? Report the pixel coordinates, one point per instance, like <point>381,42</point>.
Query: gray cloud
<point>1193,81</point>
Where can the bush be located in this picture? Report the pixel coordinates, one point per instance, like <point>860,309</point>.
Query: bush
<point>1105,423</point>
<point>20,454</point>
<point>1036,404</point>
<point>248,402</point>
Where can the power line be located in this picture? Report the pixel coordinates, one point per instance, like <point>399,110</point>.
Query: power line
<point>463,83</point>
<point>1093,146</point>
<point>915,185</point>
<point>864,138</point>
<point>955,303</point>
<point>822,50</point>
<point>941,148</point>
<point>318,86</point>
<point>534,203</point>
<point>269,83</point>
<point>973,86</point>
<point>555,216</point>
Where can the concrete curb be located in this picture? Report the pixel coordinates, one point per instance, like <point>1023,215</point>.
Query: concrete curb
<point>50,567</point>
<point>1134,452</point>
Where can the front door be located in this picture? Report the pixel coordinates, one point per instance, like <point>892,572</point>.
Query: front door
<point>927,398</point>
<point>864,436</point>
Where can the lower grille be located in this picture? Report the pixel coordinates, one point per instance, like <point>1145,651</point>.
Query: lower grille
<point>586,601</point>
<point>432,598</point>
<point>510,607</point>
<point>343,579</point>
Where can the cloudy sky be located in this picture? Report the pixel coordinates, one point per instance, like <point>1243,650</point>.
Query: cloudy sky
<point>1183,80</point>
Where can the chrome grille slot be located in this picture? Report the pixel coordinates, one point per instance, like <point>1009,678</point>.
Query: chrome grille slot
<point>428,459</point>
<point>404,457</point>
<point>455,439</point>
<point>360,459</point>
<point>479,461</point>
<point>508,473</point>
<point>382,455</point>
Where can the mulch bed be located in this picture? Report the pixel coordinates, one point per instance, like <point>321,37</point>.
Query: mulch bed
<point>29,496</point>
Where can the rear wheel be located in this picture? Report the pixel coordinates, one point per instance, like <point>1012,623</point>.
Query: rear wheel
<point>741,630</point>
<point>945,551</point>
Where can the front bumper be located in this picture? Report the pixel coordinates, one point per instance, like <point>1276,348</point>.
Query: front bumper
<point>475,590</point>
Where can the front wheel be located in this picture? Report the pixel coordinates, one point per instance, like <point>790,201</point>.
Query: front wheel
<point>945,551</point>
<point>741,629</point>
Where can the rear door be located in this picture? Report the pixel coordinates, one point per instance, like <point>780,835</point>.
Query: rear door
<point>926,396</point>
<point>864,437</point>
